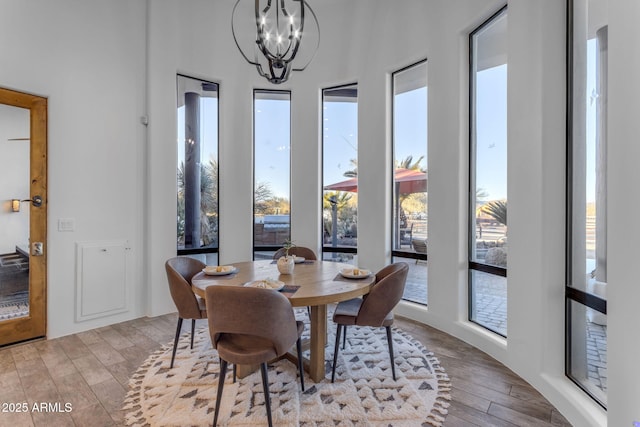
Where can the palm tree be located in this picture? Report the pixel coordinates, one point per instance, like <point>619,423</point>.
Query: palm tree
<point>353,172</point>
<point>408,163</point>
<point>497,210</point>
<point>481,193</point>
<point>341,198</point>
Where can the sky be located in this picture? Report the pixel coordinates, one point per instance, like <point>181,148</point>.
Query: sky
<point>272,145</point>
<point>491,128</point>
<point>340,134</point>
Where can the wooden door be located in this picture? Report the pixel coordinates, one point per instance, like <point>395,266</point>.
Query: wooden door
<point>27,254</point>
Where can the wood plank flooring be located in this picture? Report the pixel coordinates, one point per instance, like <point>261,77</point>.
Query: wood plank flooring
<point>91,370</point>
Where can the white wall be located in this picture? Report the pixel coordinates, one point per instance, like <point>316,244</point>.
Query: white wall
<point>14,176</point>
<point>623,292</point>
<point>91,60</point>
<point>88,59</point>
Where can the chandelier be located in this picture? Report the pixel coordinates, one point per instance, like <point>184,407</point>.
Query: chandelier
<point>279,28</point>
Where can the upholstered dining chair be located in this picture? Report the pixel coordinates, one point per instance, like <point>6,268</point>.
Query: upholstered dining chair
<point>300,251</point>
<point>250,326</point>
<point>375,309</point>
<point>180,270</point>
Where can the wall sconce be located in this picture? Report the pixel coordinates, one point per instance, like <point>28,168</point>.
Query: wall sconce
<point>15,203</point>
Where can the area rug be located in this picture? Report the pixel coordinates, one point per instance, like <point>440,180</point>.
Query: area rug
<point>364,393</point>
<point>15,305</point>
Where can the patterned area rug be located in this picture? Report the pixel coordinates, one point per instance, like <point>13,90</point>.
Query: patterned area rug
<point>364,393</point>
<point>16,305</point>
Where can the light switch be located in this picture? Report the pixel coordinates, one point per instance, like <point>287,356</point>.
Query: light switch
<point>66,224</point>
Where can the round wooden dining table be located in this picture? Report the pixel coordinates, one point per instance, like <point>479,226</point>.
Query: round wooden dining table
<point>312,284</point>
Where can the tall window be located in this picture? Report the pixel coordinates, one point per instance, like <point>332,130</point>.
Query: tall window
<point>340,173</point>
<point>409,239</point>
<point>587,191</point>
<point>197,171</point>
<point>488,174</point>
<point>272,166</point>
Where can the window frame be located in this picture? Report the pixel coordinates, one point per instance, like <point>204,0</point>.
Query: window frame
<point>474,265</point>
<point>268,248</point>
<point>397,252</point>
<point>573,294</point>
<point>206,250</point>
<point>324,248</point>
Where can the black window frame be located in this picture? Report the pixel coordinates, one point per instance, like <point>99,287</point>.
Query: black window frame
<point>472,264</point>
<point>573,294</point>
<point>268,248</point>
<point>396,252</point>
<point>207,249</point>
<point>324,248</point>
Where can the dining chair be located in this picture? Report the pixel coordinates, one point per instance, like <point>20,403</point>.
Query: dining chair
<point>375,309</point>
<point>180,271</point>
<point>251,326</point>
<point>300,251</point>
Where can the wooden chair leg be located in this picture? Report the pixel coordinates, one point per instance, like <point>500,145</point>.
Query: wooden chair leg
<point>234,373</point>
<point>193,330</point>
<point>300,369</point>
<point>175,340</point>
<point>335,352</point>
<point>223,373</point>
<point>265,386</point>
<point>390,343</point>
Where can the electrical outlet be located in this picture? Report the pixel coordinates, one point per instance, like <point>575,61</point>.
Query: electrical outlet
<point>66,224</point>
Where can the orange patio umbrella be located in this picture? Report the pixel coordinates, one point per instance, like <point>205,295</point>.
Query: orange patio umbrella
<point>408,181</point>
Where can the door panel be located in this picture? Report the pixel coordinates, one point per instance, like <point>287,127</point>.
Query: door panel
<point>23,219</point>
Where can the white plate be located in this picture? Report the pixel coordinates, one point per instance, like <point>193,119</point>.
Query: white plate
<point>298,259</point>
<point>275,285</point>
<point>355,273</point>
<point>224,270</point>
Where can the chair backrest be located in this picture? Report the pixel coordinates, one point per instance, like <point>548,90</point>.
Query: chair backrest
<point>384,295</point>
<point>180,271</point>
<point>419,245</point>
<point>263,313</point>
<point>300,251</point>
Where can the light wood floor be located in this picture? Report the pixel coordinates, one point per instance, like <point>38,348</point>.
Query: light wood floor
<point>90,371</point>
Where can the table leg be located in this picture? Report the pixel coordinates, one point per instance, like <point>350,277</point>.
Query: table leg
<point>318,339</point>
<point>246,370</point>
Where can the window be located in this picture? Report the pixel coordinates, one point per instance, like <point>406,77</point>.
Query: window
<point>409,229</point>
<point>586,355</point>
<point>340,173</point>
<point>488,174</point>
<point>272,169</point>
<point>197,170</point>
